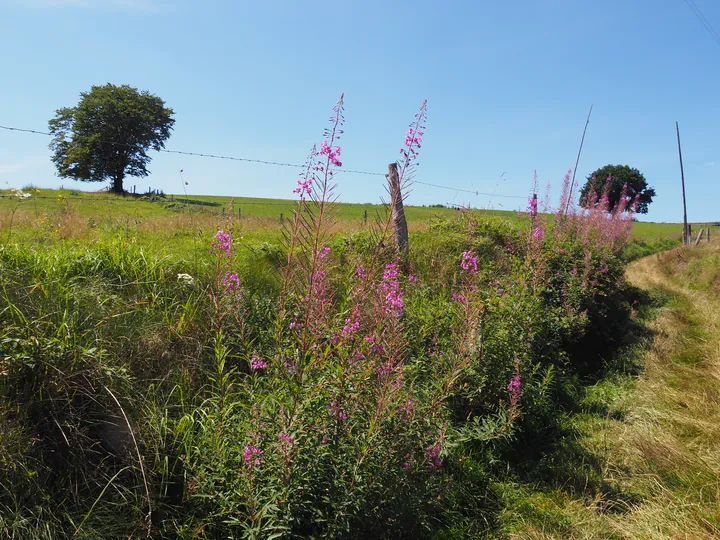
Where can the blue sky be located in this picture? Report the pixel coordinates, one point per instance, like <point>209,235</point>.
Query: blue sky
<point>508,85</point>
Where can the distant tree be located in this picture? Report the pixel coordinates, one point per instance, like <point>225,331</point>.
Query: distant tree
<point>619,176</point>
<point>107,135</point>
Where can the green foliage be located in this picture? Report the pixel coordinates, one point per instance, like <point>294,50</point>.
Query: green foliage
<point>83,324</point>
<point>107,135</point>
<point>638,249</point>
<point>597,186</point>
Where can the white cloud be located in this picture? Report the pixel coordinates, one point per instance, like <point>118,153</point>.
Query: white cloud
<point>137,6</point>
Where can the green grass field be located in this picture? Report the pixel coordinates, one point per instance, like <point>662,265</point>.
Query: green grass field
<point>95,318</point>
<point>267,211</point>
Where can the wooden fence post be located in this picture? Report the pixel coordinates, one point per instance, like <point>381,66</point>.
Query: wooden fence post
<point>398,212</point>
<point>708,234</point>
<point>239,213</point>
<point>281,217</point>
<point>699,236</point>
<point>365,217</point>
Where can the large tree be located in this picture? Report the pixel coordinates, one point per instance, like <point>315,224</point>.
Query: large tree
<point>619,176</point>
<point>107,135</point>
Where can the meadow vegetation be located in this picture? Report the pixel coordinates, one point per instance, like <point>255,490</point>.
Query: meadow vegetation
<point>186,374</point>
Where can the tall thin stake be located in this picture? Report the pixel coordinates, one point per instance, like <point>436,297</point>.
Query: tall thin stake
<point>686,239</point>
<point>577,161</point>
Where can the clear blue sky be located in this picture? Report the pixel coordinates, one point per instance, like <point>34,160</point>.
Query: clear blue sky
<point>508,85</point>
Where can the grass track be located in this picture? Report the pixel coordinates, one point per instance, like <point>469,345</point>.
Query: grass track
<point>647,445</point>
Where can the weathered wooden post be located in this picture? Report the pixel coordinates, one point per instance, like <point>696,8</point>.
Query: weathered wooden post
<point>239,213</point>
<point>708,235</point>
<point>699,236</point>
<point>365,217</point>
<point>398,212</point>
<point>281,217</point>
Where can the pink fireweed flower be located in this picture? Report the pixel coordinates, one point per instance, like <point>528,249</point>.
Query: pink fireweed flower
<point>533,207</point>
<point>469,262</point>
<point>413,137</point>
<point>286,438</point>
<point>460,298</point>
<point>337,411</point>
<point>390,285</point>
<point>333,153</point>
<point>304,187</point>
<point>252,456</point>
<point>257,363</point>
<point>432,453</point>
<point>323,253</point>
<point>351,326</point>
<point>360,272</point>
<point>539,233</point>
<point>412,279</point>
<point>514,388</point>
<point>387,367</point>
<point>222,244</point>
<point>230,282</point>
<point>391,272</point>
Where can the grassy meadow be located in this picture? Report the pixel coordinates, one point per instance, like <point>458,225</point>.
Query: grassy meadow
<point>160,221</point>
<point>171,370</point>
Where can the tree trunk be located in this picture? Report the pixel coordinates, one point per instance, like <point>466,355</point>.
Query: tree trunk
<point>118,184</point>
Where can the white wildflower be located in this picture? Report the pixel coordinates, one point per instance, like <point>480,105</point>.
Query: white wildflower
<point>186,279</point>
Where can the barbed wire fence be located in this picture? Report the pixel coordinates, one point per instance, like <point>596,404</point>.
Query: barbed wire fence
<point>150,193</point>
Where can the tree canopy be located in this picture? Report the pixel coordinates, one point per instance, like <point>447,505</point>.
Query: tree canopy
<point>107,135</point>
<point>619,176</point>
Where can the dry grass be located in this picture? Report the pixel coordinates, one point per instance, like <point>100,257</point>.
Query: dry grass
<point>668,443</point>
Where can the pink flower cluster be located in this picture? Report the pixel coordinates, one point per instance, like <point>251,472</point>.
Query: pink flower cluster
<point>333,153</point>
<point>413,137</point>
<point>337,411</point>
<point>222,243</point>
<point>351,326</point>
<point>539,234</point>
<point>469,262</point>
<point>533,207</point>
<point>286,438</point>
<point>304,187</point>
<point>257,363</point>
<point>432,453</point>
<point>514,389</point>
<point>391,287</point>
<point>252,456</point>
<point>230,282</point>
